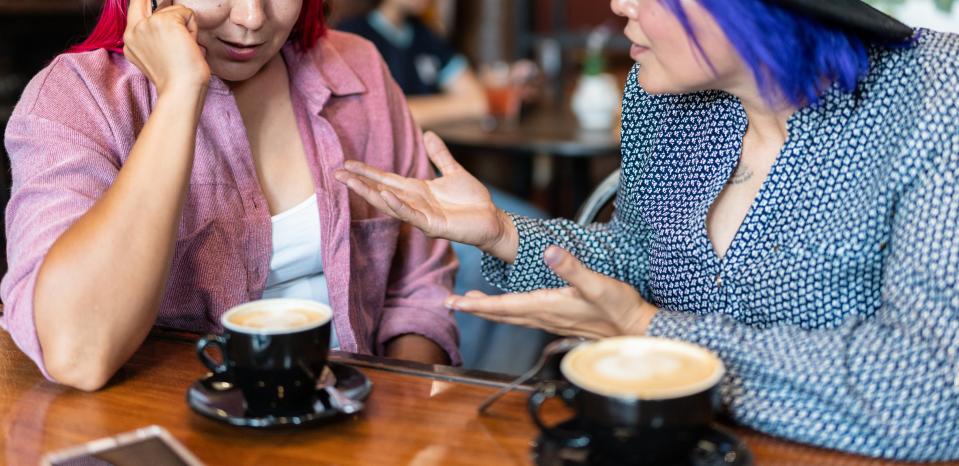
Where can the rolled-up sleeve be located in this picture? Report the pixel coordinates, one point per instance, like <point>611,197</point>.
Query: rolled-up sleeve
<point>58,174</point>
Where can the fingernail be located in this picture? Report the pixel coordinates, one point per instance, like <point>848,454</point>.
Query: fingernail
<point>450,303</point>
<point>552,256</point>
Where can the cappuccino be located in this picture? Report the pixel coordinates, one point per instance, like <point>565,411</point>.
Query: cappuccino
<point>642,368</point>
<point>276,316</point>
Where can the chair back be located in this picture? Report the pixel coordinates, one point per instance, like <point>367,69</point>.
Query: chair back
<point>600,198</point>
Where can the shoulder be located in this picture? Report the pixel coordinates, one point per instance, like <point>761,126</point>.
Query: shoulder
<point>85,91</point>
<point>940,49</point>
<point>922,79</point>
<point>358,52</point>
<point>927,69</point>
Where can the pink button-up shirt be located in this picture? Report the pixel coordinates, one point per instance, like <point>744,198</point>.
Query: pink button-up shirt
<point>77,121</point>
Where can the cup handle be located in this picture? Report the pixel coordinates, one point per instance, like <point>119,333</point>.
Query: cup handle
<point>214,340</point>
<point>570,438</point>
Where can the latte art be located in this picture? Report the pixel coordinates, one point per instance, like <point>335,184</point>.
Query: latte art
<point>644,368</point>
<point>287,319</point>
<point>276,316</point>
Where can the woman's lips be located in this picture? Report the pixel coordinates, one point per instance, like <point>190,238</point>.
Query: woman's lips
<point>637,50</point>
<point>240,52</point>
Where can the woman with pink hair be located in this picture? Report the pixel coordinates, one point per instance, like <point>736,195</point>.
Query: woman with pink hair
<point>179,162</point>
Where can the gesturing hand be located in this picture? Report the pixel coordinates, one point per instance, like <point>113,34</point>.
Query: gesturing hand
<point>455,206</point>
<point>163,45</point>
<point>593,306</point>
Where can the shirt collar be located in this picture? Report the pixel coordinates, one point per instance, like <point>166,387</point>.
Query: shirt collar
<point>318,74</point>
<point>400,37</point>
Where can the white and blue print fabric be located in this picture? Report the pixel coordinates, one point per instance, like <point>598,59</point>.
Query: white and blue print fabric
<point>836,308</point>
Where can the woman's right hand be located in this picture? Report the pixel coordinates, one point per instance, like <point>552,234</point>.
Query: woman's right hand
<point>456,206</point>
<point>163,45</point>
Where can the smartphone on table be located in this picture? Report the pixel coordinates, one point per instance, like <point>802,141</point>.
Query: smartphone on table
<point>151,445</point>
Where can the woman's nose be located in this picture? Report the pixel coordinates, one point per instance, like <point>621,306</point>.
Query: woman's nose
<point>625,8</point>
<point>249,14</point>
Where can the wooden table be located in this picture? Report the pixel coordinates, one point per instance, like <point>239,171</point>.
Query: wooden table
<point>417,415</point>
<point>549,131</point>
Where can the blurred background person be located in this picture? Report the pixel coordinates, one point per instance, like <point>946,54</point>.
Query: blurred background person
<point>438,82</point>
<point>441,86</point>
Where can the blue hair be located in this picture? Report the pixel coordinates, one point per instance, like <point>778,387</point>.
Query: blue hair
<point>792,56</point>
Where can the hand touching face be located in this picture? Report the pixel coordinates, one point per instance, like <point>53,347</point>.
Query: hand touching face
<point>242,36</point>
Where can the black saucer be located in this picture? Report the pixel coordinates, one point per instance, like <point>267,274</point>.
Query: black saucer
<point>716,447</point>
<point>215,397</point>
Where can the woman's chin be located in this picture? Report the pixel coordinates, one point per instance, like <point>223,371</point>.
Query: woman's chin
<point>656,84</point>
<point>234,72</point>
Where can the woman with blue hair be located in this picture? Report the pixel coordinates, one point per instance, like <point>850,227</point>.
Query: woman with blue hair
<point>789,199</point>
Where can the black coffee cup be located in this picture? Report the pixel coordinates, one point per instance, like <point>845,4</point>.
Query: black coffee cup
<point>274,350</point>
<point>641,399</point>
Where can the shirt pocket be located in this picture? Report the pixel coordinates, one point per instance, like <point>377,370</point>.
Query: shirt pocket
<point>211,261</point>
<point>373,242</point>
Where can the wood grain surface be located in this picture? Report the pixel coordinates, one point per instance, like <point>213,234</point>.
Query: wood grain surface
<point>414,416</point>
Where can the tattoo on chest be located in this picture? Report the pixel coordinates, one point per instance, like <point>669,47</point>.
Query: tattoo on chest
<point>742,175</point>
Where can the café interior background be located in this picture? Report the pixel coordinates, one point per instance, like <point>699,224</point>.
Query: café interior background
<point>32,32</point>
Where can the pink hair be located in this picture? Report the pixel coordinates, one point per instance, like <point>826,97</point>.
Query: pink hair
<point>108,33</point>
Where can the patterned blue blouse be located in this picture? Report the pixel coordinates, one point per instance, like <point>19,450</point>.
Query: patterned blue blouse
<point>836,308</point>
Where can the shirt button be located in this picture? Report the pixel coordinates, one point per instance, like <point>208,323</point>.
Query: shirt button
<point>719,279</point>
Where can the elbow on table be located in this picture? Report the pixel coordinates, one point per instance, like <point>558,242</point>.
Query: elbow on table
<point>77,369</point>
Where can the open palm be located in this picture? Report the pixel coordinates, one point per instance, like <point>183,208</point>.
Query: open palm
<point>455,206</point>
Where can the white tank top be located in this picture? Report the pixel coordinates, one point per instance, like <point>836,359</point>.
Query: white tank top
<point>296,266</point>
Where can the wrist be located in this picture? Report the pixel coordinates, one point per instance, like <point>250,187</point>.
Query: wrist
<point>412,347</point>
<point>505,244</point>
<point>184,92</point>
<point>641,317</point>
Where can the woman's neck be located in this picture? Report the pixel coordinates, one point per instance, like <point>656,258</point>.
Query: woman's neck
<point>767,122</point>
<point>263,89</point>
<point>272,76</point>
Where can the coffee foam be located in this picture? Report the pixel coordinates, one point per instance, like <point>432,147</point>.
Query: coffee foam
<point>288,319</point>
<point>642,368</point>
<point>276,316</point>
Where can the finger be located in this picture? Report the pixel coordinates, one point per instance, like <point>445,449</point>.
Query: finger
<point>518,304</point>
<point>512,320</point>
<point>566,331</point>
<point>405,212</point>
<point>570,269</point>
<point>161,4</point>
<point>182,14</point>
<point>438,153</point>
<point>137,11</point>
<point>375,174</point>
<point>191,24</point>
<point>365,191</point>
<point>451,300</point>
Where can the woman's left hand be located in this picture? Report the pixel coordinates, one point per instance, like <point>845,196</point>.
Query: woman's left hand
<point>593,306</point>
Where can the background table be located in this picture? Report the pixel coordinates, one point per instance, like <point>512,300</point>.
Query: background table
<point>417,415</point>
<point>549,133</point>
